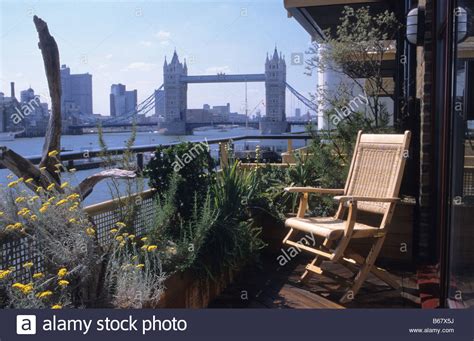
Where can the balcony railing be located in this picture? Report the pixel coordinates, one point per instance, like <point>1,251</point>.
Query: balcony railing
<point>15,251</point>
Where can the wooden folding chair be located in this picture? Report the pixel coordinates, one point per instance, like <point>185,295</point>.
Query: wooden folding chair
<point>372,186</point>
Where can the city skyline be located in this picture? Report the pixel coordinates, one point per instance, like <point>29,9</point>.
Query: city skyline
<point>134,54</point>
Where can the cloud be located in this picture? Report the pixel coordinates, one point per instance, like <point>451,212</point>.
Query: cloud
<point>109,56</point>
<point>163,35</point>
<point>146,43</point>
<point>140,66</point>
<point>218,69</point>
<point>165,43</point>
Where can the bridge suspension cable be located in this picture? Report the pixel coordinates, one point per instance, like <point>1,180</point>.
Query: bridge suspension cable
<point>308,103</point>
<point>142,108</point>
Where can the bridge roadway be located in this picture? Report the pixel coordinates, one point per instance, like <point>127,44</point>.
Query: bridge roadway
<point>223,78</point>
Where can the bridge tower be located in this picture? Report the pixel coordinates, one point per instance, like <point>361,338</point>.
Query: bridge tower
<point>275,88</point>
<point>175,97</point>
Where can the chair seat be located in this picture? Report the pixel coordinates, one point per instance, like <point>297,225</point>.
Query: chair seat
<point>329,227</point>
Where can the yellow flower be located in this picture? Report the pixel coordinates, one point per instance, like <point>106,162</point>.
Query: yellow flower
<point>62,272</point>
<point>113,231</point>
<point>73,220</point>
<point>34,217</point>
<point>152,248</point>
<point>90,231</point>
<point>20,200</point>
<point>13,184</point>
<point>34,198</point>
<point>65,184</point>
<point>63,283</point>
<point>50,200</point>
<point>44,208</point>
<point>17,226</point>
<point>4,273</point>
<point>24,288</point>
<point>122,243</point>
<point>38,275</point>
<point>42,169</point>
<point>50,187</point>
<point>21,179</point>
<point>2,214</point>
<point>140,266</point>
<point>29,180</point>
<point>39,189</point>
<point>10,176</point>
<point>119,238</point>
<point>120,224</point>
<point>24,211</point>
<point>144,247</point>
<point>61,202</point>
<point>57,306</point>
<point>44,294</point>
<point>144,239</point>
<point>125,235</point>
<point>28,265</point>
<point>53,153</point>
<point>131,236</point>
<point>135,257</point>
<point>73,196</point>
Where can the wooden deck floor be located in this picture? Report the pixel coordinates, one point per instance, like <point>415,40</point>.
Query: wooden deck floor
<point>269,285</point>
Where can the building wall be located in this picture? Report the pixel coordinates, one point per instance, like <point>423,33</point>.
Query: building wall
<point>160,103</point>
<point>76,88</point>
<point>122,102</point>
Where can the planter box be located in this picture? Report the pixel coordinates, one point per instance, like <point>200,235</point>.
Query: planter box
<point>187,290</point>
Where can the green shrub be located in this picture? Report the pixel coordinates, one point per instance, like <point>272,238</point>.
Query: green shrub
<point>194,165</point>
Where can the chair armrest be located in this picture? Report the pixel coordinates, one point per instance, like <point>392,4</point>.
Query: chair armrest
<point>345,198</point>
<point>314,190</point>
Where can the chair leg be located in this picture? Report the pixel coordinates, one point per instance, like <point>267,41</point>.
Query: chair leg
<point>378,272</point>
<point>364,271</point>
<point>315,262</point>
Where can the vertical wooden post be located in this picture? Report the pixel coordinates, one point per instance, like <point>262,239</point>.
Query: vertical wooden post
<point>224,158</point>
<point>290,146</point>
<point>140,162</point>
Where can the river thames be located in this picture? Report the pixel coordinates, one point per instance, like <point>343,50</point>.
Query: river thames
<point>33,146</point>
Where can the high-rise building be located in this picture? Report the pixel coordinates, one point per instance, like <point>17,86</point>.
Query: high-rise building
<point>160,103</point>
<point>76,92</point>
<point>122,102</point>
<point>298,113</point>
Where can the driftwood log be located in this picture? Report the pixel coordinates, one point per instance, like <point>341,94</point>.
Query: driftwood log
<point>50,53</point>
<point>47,172</point>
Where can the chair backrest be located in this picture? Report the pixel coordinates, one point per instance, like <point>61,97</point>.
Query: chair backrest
<point>377,168</point>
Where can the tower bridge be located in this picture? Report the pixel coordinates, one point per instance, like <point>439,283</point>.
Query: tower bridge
<point>176,80</point>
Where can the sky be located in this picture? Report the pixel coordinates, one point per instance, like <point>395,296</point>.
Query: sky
<point>126,42</point>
